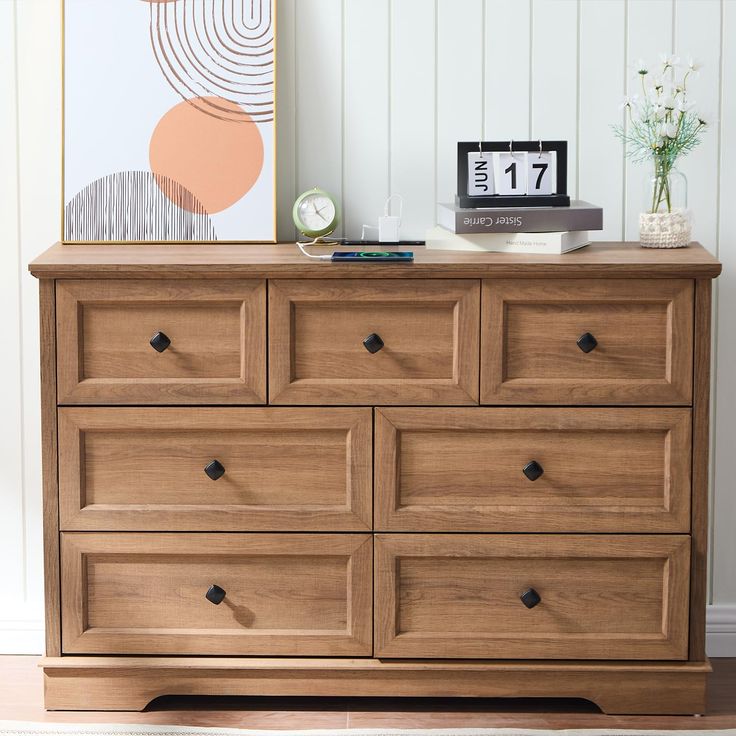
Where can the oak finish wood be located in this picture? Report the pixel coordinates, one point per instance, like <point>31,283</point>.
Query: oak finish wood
<point>136,469</point>
<point>151,608</point>
<point>603,597</point>
<point>217,354</point>
<point>49,460</point>
<point>21,699</point>
<point>293,594</point>
<point>84,683</point>
<point>701,469</point>
<point>529,332</point>
<point>605,470</point>
<point>430,331</point>
<point>228,261</point>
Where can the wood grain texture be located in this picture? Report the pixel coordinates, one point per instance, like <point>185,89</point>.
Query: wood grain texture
<point>83,683</point>
<point>228,261</point>
<point>603,597</point>
<point>430,331</point>
<point>138,469</point>
<point>217,332</point>
<point>605,470</point>
<point>701,468</point>
<point>130,588</point>
<point>49,458</point>
<point>21,699</point>
<point>529,332</point>
<point>293,594</point>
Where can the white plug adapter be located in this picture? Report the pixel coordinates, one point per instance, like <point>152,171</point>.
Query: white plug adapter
<point>388,229</point>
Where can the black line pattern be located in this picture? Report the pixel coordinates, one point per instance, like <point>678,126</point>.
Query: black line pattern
<point>217,48</point>
<point>132,206</point>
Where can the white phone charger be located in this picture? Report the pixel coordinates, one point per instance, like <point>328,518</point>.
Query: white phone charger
<point>389,226</point>
<point>388,229</point>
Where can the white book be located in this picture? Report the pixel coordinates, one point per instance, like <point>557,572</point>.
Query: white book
<point>439,238</point>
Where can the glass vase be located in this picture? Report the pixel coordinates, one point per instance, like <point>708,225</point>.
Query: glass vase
<point>665,219</point>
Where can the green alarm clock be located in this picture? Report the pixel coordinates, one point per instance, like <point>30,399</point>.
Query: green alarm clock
<point>315,214</point>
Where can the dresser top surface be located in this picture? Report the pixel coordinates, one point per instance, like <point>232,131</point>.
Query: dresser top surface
<point>248,260</point>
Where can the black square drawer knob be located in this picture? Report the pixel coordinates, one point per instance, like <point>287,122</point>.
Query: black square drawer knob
<point>530,598</point>
<point>533,470</point>
<point>215,595</point>
<point>373,343</point>
<point>159,342</point>
<point>587,342</point>
<point>215,470</point>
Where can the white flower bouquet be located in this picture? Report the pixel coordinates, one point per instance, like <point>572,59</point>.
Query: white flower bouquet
<point>663,124</point>
<point>662,127</point>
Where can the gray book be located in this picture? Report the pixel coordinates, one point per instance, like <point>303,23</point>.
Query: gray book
<point>578,216</point>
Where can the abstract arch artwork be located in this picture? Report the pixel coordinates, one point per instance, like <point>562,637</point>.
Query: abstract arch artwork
<point>169,120</point>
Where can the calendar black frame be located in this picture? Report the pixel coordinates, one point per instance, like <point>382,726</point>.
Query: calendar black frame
<point>559,199</point>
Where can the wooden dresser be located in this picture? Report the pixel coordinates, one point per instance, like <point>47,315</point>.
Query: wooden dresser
<point>474,475</point>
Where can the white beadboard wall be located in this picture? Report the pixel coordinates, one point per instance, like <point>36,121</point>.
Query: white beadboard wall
<point>373,95</point>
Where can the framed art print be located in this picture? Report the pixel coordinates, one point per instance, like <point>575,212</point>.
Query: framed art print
<point>169,121</point>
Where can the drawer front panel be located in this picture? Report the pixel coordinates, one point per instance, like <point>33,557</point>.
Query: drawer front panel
<point>601,597</point>
<point>216,332</point>
<point>284,594</point>
<point>641,351</point>
<point>602,470</point>
<point>427,353</point>
<point>284,469</point>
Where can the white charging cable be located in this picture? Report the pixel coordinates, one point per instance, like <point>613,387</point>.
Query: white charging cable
<point>327,257</point>
<point>367,227</point>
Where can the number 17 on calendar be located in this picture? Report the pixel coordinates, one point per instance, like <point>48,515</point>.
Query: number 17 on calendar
<point>511,173</point>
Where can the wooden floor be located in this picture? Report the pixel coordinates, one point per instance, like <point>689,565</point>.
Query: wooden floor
<point>21,699</point>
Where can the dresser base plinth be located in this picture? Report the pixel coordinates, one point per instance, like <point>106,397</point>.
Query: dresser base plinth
<point>130,683</point>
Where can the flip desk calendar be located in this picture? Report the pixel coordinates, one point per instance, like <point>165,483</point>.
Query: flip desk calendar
<point>512,174</point>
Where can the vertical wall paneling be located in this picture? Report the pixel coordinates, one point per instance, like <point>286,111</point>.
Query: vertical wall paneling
<point>697,34</point>
<point>11,449</point>
<point>554,74</point>
<point>367,86</point>
<point>286,117</point>
<point>460,85</point>
<point>412,133</point>
<point>724,579</point>
<point>602,27</point>
<point>39,115</point>
<point>649,33</point>
<point>508,39</point>
<point>319,95</point>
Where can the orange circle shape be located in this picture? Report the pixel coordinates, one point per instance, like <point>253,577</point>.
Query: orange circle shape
<point>212,148</point>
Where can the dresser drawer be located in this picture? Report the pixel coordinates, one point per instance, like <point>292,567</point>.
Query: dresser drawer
<point>533,470</point>
<point>602,597</point>
<point>216,331</point>
<point>423,349</point>
<point>284,469</point>
<point>285,594</point>
<point>638,335</point>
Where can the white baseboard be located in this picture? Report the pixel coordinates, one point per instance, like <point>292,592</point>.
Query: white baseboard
<point>26,636</point>
<point>721,630</point>
<point>21,637</point>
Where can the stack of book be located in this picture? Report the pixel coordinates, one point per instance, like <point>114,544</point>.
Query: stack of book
<point>540,230</point>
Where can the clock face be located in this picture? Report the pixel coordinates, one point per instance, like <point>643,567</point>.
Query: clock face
<point>315,213</point>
